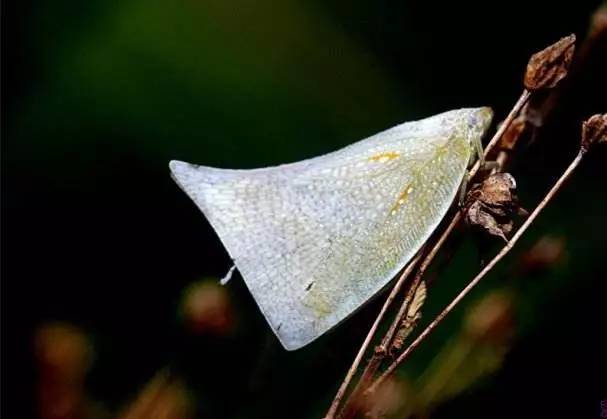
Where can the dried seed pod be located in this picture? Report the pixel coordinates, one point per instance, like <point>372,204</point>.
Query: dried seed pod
<point>594,131</point>
<point>491,205</point>
<point>549,66</point>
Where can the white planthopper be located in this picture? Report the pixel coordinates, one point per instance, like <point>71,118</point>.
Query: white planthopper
<point>316,239</point>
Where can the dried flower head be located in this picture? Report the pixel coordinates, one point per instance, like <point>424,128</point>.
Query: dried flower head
<point>549,66</point>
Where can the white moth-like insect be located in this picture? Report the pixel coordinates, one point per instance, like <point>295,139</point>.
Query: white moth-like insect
<point>316,239</point>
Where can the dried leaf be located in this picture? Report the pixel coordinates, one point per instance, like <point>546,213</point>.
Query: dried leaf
<point>549,66</point>
<point>418,300</point>
<point>478,216</point>
<point>594,131</point>
<point>411,319</point>
<point>512,133</point>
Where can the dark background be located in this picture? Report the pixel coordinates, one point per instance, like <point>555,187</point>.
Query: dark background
<point>98,96</point>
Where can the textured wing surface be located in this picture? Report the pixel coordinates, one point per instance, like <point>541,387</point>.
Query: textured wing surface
<point>315,240</point>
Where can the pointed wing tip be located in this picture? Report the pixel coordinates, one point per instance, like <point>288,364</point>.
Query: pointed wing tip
<point>293,336</point>
<point>177,166</point>
<point>183,173</point>
<point>291,344</point>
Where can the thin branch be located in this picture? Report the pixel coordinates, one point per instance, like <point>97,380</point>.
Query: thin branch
<point>382,350</point>
<point>380,354</point>
<point>361,352</point>
<point>458,215</point>
<point>522,100</point>
<point>544,70</point>
<point>503,252</point>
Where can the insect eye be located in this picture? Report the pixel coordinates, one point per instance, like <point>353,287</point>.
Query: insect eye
<point>472,121</point>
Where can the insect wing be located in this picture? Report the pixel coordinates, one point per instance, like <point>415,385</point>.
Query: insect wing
<point>315,240</point>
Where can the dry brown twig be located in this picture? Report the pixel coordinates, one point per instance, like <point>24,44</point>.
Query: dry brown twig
<point>380,353</point>
<point>361,352</point>
<point>594,131</point>
<point>544,71</point>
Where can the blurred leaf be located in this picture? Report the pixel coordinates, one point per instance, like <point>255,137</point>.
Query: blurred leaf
<point>163,397</point>
<point>206,308</point>
<point>208,82</point>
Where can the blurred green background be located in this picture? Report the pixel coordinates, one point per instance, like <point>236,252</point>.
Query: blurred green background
<point>105,307</point>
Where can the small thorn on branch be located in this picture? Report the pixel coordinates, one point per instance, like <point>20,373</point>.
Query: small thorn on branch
<point>549,66</point>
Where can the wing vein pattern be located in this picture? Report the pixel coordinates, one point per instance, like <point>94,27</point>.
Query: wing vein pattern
<point>315,240</point>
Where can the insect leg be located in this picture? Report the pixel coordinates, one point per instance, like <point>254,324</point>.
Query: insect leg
<point>463,188</point>
<point>478,147</point>
<point>484,164</point>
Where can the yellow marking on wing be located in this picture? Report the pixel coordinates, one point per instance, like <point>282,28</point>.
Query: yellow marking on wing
<point>401,199</point>
<point>318,303</point>
<point>439,153</point>
<point>384,157</point>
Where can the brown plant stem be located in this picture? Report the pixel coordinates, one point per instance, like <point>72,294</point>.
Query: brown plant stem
<point>361,352</point>
<point>380,354</point>
<point>500,255</point>
<point>382,350</point>
<point>522,100</point>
